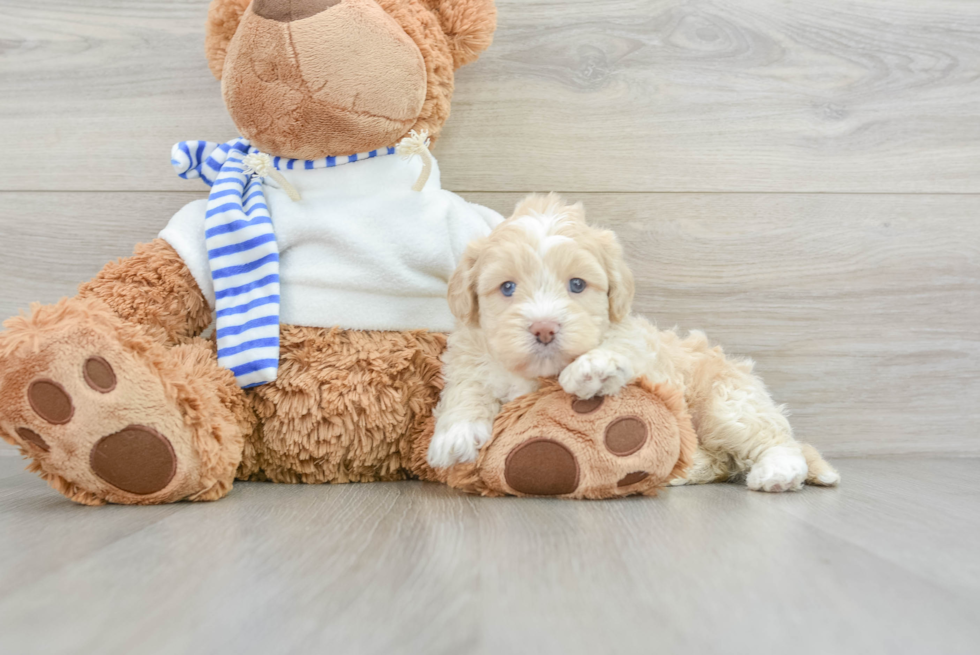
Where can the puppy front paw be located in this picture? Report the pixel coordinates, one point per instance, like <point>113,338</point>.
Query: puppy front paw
<point>457,443</point>
<point>597,372</point>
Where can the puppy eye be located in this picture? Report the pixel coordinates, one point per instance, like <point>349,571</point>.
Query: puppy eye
<point>576,285</point>
<point>508,288</point>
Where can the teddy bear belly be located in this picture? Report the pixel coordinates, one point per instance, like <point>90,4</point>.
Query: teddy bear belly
<point>347,405</point>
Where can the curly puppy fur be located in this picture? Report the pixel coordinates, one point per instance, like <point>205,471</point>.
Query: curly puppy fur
<point>546,267</point>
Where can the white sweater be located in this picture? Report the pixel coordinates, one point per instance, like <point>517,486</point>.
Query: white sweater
<point>361,250</point>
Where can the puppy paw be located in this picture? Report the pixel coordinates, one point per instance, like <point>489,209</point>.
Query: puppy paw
<point>457,443</point>
<point>830,478</point>
<point>597,372</point>
<point>780,468</point>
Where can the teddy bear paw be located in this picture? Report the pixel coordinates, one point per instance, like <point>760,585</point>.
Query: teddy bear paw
<point>89,402</point>
<point>551,443</point>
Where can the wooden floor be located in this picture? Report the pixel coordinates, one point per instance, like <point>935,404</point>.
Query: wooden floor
<point>799,179</point>
<point>888,563</point>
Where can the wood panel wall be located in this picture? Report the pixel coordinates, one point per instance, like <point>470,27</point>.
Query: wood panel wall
<point>799,179</point>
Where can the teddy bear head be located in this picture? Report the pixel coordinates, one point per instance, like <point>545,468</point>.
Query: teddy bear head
<point>307,79</point>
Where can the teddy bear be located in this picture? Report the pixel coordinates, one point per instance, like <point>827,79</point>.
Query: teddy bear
<point>289,327</point>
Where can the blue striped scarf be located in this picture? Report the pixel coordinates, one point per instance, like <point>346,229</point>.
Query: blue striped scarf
<point>242,251</point>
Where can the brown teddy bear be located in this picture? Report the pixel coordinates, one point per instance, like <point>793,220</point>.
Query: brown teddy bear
<point>322,258</point>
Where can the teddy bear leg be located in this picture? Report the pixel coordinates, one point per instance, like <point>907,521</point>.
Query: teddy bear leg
<point>348,406</point>
<point>107,409</point>
<point>738,423</point>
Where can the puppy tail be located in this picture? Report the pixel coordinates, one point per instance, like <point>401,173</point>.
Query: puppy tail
<point>820,472</point>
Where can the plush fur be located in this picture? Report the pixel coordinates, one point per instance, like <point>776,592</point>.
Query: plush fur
<point>154,289</point>
<point>222,23</point>
<point>180,392</point>
<point>598,347</point>
<point>348,406</point>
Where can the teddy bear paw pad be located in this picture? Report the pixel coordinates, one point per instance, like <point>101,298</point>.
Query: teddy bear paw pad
<point>630,479</point>
<point>50,401</point>
<point>542,467</point>
<point>625,436</point>
<point>99,375</point>
<point>587,406</point>
<point>137,460</point>
<point>32,437</point>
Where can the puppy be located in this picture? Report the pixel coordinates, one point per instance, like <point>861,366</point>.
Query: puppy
<point>547,295</point>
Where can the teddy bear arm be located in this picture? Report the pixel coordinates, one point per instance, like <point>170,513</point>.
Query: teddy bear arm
<point>153,288</point>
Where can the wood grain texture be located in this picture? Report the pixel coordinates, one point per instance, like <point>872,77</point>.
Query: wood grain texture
<point>623,95</point>
<point>415,568</point>
<point>861,310</point>
<point>55,241</point>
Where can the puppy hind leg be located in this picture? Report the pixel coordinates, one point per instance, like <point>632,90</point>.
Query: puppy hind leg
<point>740,419</point>
<point>705,469</point>
<point>819,472</point>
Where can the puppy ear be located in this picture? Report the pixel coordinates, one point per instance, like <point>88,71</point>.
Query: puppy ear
<point>463,300</point>
<point>469,26</point>
<point>223,19</point>
<point>621,284</point>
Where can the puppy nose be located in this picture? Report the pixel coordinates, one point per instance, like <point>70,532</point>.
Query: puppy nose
<point>544,331</point>
<point>286,11</point>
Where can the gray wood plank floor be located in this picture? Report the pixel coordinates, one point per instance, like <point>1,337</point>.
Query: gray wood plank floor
<point>885,564</point>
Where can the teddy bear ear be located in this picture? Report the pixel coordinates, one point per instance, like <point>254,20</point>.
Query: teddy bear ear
<point>469,26</point>
<point>223,19</point>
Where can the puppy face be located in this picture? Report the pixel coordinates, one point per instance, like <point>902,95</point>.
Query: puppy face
<point>544,287</point>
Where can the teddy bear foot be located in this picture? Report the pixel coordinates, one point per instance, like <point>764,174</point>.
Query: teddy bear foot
<point>550,443</point>
<point>109,414</point>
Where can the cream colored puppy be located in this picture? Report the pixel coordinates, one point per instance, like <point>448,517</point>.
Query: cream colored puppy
<point>544,295</point>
